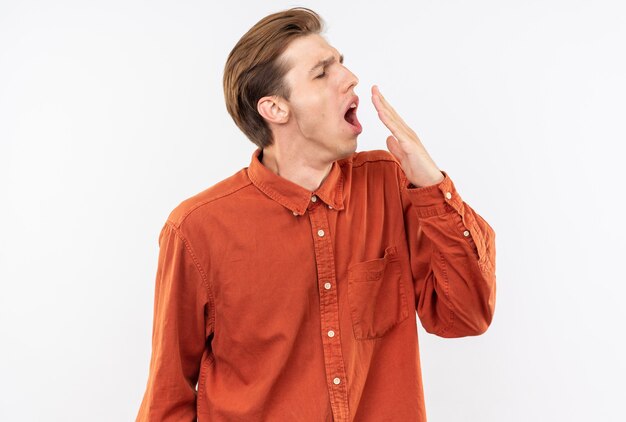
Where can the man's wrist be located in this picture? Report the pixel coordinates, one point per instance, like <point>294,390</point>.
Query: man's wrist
<point>434,180</point>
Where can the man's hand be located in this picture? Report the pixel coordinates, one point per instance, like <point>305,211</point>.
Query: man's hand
<point>404,144</point>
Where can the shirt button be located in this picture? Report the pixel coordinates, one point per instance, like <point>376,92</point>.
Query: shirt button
<point>330,207</point>
<point>327,286</point>
<point>336,380</point>
<point>448,195</point>
<point>314,198</point>
<point>331,333</point>
<point>320,232</point>
<point>466,233</point>
<point>295,213</point>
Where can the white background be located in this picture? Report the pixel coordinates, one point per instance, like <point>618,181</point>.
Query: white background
<point>111,113</point>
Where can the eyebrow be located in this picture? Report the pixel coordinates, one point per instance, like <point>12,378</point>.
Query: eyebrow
<point>326,62</point>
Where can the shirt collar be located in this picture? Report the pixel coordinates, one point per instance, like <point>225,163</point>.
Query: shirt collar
<point>292,195</point>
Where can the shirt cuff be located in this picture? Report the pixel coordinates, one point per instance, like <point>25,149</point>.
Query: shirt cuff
<point>434,199</point>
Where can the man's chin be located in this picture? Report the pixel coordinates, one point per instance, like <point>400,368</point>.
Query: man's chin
<point>347,149</point>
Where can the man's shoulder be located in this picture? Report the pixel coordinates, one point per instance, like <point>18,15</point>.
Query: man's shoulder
<point>223,189</point>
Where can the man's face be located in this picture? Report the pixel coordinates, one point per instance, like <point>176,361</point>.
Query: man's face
<point>321,94</point>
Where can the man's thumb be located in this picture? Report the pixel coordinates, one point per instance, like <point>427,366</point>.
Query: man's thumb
<point>394,147</point>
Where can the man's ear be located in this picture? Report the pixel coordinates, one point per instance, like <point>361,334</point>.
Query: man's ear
<point>273,109</point>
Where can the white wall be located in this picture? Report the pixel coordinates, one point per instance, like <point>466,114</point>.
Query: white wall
<point>112,112</point>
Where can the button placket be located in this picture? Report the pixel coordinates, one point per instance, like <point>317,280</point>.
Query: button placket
<point>329,311</point>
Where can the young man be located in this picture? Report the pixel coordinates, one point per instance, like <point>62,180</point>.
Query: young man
<point>288,291</point>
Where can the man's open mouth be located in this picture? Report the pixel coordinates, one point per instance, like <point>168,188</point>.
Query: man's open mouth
<point>350,115</point>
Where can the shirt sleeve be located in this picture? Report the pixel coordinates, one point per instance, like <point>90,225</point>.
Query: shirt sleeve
<point>180,330</point>
<point>452,253</point>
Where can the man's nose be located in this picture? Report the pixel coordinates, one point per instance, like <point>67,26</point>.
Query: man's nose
<point>351,79</point>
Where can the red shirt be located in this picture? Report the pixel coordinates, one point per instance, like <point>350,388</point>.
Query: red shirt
<point>282,304</point>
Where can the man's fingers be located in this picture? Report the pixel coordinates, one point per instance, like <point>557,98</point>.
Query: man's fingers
<point>398,130</point>
<point>390,107</point>
<point>388,116</point>
<point>384,101</point>
<point>384,104</point>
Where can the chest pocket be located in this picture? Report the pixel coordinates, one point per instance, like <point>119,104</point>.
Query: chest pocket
<point>376,295</point>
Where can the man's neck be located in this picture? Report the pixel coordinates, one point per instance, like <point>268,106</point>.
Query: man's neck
<point>296,168</point>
